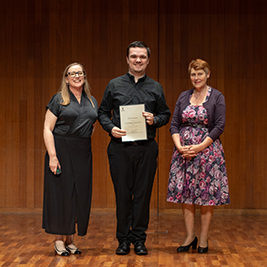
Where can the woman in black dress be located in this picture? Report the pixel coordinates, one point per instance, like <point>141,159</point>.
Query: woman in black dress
<point>69,124</point>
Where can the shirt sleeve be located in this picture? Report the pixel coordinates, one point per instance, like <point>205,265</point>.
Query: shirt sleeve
<point>54,105</point>
<point>105,108</point>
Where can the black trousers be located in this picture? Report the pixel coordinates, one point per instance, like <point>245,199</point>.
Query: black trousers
<point>132,168</point>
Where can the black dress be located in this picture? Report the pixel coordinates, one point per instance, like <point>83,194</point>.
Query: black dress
<point>67,197</point>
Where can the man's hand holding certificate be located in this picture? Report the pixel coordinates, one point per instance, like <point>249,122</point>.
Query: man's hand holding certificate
<point>133,122</point>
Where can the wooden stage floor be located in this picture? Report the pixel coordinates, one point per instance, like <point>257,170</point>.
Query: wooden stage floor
<point>234,240</point>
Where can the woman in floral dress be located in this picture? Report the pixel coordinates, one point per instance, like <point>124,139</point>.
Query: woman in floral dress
<point>198,173</point>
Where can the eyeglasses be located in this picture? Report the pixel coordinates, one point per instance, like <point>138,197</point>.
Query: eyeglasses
<point>73,74</point>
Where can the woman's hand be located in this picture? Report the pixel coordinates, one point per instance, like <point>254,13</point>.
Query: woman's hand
<point>54,164</point>
<point>49,124</point>
<point>191,151</point>
<point>187,152</point>
<point>195,148</point>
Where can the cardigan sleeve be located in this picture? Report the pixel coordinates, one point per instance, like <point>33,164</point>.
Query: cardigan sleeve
<point>176,121</point>
<point>218,117</point>
<point>175,125</point>
<point>181,104</point>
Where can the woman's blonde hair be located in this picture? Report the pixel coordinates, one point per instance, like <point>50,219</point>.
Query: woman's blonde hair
<point>64,88</point>
<point>199,64</point>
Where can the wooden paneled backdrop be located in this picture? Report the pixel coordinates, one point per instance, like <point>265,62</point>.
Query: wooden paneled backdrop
<point>38,39</point>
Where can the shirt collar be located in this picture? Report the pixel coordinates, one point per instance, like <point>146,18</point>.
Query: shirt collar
<point>73,96</point>
<point>132,77</point>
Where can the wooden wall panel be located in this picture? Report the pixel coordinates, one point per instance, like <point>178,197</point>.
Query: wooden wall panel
<point>40,38</point>
<point>229,35</point>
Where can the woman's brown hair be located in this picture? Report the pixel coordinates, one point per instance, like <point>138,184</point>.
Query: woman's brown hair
<point>199,64</point>
<point>64,88</point>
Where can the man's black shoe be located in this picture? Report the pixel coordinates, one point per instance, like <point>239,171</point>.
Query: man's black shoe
<point>140,248</point>
<point>123,248</point>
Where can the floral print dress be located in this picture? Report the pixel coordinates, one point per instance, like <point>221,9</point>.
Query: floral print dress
<point>203,179</point>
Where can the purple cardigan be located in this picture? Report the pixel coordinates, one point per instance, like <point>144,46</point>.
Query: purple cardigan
<point>215,107</point>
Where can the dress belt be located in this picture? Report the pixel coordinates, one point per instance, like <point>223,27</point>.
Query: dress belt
<point>194,125</point>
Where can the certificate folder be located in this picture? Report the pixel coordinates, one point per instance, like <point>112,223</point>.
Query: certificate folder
<point>133,122</point>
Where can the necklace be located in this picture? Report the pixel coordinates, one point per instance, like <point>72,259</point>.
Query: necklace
<point>205,90</point>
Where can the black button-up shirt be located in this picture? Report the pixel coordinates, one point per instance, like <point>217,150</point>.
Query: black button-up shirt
<point>124,90</point>
<point>75,119</point>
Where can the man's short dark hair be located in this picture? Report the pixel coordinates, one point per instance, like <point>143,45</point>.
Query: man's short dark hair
<point>138,44</point>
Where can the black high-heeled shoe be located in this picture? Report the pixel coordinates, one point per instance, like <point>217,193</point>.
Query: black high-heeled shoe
<point>203,250</point>
<point>186,248</point>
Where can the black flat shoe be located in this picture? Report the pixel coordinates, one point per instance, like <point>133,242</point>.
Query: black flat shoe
<point>186,248</point>
<point>63,252</point>
<point>123,248</point>
<point>203,250</point>
<point>73,250</point>
<point>140,248</point>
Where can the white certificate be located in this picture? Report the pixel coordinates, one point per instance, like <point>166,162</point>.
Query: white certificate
<point>133,122</point>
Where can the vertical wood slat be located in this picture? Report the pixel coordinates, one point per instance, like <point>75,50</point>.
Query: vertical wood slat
<point>39,38</point>
<point>5,56</point>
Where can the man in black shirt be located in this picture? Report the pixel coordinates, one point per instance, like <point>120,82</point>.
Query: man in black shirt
<point>133,164</point>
